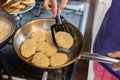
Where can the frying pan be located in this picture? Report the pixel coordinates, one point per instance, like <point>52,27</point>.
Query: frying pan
<point>7,27</point>
<point>44,24</point>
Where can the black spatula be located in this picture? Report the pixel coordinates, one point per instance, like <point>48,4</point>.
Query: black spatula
<point>61,25</point>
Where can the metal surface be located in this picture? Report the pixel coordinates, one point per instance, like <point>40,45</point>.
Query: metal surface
<point>44,24</point>
<point>45,75</point>
<point>7,26</point>
<point>97,57</point>
<point>76,51</point>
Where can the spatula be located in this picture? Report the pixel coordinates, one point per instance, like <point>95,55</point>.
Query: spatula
<point>61,25</point>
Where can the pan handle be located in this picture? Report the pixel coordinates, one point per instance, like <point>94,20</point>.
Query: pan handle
<point>45,75</point>
<point>97,57</point>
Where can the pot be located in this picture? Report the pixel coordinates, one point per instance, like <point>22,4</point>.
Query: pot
<point>77,49</point>
<point>7,27</point>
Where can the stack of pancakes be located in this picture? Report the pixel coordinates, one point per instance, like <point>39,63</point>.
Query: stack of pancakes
<point>17,5</point>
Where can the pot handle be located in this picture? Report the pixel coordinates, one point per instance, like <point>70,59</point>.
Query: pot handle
<point>97,57</point>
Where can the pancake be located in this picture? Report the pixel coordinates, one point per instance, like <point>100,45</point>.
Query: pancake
<point>40,59</point>
<point>38,36</point>
<point>21,6</point>
<point>11,9</point>
<point>28,48</point>
<point>27,2</point>
<point>17,5</point>
<point>50,51</point>
<point>13,3</point>
<point>41,46</point>
<point>64,39</point>
<point>58,59</point>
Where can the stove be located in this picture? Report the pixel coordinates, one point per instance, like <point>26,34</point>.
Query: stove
<point>13,68</point>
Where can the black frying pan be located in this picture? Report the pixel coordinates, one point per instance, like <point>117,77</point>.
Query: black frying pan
<point>44,24</point>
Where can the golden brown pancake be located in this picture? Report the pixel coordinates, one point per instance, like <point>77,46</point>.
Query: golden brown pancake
<point>11,9</point>
<point>50,51</point>
<point>42,46</point>
<point>38,36</point>
<point>28,48</point>
<point>64,39</point>
<point>17,5</point>
<point>58,59</point>
<point>27,2</point>
<point>13,3</point>
<point>40,59</point>
<point>21,6</point>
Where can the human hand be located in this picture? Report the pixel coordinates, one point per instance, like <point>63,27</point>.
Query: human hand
<point>115,66</point>
<point>54,7</point>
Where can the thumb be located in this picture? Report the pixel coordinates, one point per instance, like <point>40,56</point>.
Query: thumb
<point>114,54</point>
<point>116,66</point>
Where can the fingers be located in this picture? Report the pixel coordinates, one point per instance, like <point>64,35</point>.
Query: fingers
<point>116,66</point>
<point>54,7</point>
<point>60,8</point>
<point>46,5</point>
<point>114,54</point>
<point>62,5</point>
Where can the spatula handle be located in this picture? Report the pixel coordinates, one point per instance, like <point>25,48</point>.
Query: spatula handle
<point>58,19</point>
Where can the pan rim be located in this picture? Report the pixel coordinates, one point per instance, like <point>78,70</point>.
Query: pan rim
<point>56,67</point>
<point>12,20</point>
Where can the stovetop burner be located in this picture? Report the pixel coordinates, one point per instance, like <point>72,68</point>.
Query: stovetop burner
<point>18,68</point>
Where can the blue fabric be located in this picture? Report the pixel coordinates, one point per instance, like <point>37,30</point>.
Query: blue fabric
<point>108,37</point>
